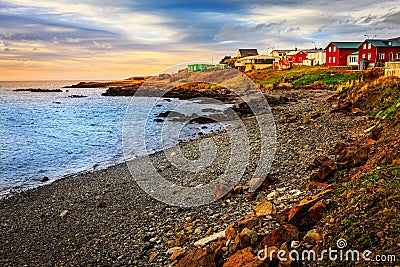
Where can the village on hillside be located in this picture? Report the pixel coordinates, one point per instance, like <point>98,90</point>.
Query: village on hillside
<point>371,53</point>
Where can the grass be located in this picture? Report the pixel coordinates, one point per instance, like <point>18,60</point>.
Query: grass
<point>327,78</point>
<point>301,77</point>
<point>367,206</point>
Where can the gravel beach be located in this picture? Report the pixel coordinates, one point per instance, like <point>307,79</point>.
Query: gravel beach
<point>103,218</point>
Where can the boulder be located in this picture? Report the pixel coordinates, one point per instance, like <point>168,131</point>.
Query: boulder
<point>198,257</point>
<point>179,253</point>
<point>351,157</point>
<point>204,241</point>
<point>243,258</point>
<point>264,207</point>
<point>316,211</point>
<point>326,167</point>
<point>282,216</point>
<point>285,233</point>
<point>246,238</point>
<point>299,213</point>
<point>248,221</point>
<point>312,237</point>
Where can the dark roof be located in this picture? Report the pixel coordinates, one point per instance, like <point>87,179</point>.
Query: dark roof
<point>383,43</point>
<point>282,50</point>
<point>313,50</point>
<point>248,52</point>
<point>395,39</point>
<point>345,45</point>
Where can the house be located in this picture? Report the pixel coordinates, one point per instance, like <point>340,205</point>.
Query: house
<point>281,53</point>
<point>247,52</point>
<point>221,66</point>
<point>257,62</point>
<point>352,60</point>
<point>296,57</point>
<point>317,56</point>
<point>376,52</point>
<point>282,64</point>
<point>200,67</point>
<point>336,53</point>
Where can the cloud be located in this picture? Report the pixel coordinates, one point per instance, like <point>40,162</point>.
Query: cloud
<point>250,33</point>
<point>102,45</point>
<point>392,18</point>
<point>171,31</point>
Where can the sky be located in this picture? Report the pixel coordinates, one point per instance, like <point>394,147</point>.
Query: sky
<point>116,39</point>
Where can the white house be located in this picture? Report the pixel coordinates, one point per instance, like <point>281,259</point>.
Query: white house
<point>318,56</point>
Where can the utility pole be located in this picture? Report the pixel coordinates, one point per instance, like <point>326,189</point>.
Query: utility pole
<point>315,45</point>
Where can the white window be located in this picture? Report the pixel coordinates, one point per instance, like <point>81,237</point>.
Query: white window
<point>353,59</point>
<point>398,56</point>
<point>369,56</point>
<point>369,46</point>
<point>330,49</point>
<point>381,55</point>
<point>365,46</point>
<point>329,59</point>
<point>334,59</point>
<point>334,49</point>
<point>363,56</point>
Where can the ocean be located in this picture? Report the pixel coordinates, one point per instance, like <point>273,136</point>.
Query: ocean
<point>48,135</point>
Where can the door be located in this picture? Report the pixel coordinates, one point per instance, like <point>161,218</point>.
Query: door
<point>390,57</point>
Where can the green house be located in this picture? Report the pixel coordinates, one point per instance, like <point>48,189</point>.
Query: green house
<point>200,67</point>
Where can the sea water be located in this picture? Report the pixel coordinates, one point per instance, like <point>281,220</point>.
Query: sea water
<point>50,135</point>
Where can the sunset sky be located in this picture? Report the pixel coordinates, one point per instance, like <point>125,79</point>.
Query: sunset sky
<point>114,39</point>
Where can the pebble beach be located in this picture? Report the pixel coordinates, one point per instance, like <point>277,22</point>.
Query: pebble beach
<point>103,218</point>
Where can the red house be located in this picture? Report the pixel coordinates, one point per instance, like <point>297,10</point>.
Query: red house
<point>377,52</point>
<point>296,57</point>
<point>336,53</point>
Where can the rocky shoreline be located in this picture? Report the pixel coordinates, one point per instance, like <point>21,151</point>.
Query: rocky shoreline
<point>104,218</point>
